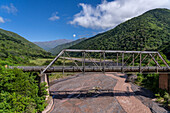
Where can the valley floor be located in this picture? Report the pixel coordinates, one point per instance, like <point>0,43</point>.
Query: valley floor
<point>101,93</point>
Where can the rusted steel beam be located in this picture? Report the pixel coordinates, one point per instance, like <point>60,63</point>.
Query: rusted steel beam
<point>163,60</point>
<point>108,51</point>
<point>140,62</point>
<point>53,61</point>
<point>134,60</point>
<point>63,63</point>
<point>100,60</point>
<point>91,69</point>
<point>117,59</point>
<point>84,63</point>
<point>104,62</point>
<point>154,60</point>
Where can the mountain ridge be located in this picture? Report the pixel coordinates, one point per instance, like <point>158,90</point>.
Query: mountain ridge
<point>148,31</point>
<point>17,49</point>
<point>47,45</point>
<point>58,48</point>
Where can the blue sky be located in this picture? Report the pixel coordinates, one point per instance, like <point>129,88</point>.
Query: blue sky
<point>45,20</point>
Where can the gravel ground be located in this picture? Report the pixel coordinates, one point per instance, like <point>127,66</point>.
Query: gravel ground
<point>146,96</point>
<point>78,95</point>
<point>96,93</point>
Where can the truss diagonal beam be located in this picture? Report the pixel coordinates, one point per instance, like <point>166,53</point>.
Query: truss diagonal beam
<point>53,61</point>
<point>74,61</point>
<point>134,59</point>
<point>154,60</point>
<point>103,64</point>
<point>128,59</point>
<point>95,64</point>
<point>163,60</point>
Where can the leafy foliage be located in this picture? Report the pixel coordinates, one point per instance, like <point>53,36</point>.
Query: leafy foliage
<point>19,92</point>
<point>150,31</point>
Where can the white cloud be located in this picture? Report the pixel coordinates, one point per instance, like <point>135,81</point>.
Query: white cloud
<point>2,20</point>
<point>10,9</point>
<point>54,17</point>
<point>109,14</point>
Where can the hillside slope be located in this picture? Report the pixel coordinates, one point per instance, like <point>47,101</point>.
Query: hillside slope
<point>58,48</point>
<point>148,31</point>
<point>47,45</point>
<point>17,48</point>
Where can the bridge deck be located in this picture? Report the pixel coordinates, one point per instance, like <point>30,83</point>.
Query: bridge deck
<point>92,69</point>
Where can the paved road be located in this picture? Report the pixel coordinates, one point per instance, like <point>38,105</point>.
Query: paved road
<point>97,93</point>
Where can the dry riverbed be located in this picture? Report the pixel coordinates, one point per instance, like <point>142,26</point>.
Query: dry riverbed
<point>100,93</point>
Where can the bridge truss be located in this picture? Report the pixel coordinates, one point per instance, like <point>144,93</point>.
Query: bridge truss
<point>107,61</point>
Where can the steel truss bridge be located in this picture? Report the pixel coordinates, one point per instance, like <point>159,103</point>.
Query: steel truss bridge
<point>104,61</point>
<point>101,61</point>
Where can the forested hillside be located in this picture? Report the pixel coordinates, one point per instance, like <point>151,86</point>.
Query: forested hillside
<point>17,49</point>
<point>47,45</point>
<point>58,48</point>
<point>149,31</point>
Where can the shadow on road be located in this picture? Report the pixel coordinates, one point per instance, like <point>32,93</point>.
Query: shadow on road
<point>93,93</point>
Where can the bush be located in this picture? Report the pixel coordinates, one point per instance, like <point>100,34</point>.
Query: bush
<point>19,92</point>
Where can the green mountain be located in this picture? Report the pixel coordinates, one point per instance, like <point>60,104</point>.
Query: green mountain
<point>58,48</point>
<point>149,31</point>
<point>47,45</point>
<point>16,48</point>
<point>165,48</point>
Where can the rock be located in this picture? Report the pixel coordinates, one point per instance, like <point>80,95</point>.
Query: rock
<point>131,78</point>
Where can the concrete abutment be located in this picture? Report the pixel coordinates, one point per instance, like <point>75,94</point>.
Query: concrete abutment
<point>164,81</point>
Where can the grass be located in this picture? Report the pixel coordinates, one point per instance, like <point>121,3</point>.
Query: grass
<point>44,61</point>
<point>40,61</point>
<point>60,75</point>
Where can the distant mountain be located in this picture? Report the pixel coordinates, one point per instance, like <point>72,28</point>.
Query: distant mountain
<point>58,48</point>
<point>47,45</point>
<point>16,48</point>
<point>149,31</point>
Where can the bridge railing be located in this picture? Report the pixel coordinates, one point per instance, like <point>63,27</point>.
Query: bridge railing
<point>102,59</point>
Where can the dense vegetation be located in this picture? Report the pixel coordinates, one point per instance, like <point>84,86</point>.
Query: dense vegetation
<point>151,82</point>
<point>58,48</point>
<point>47,45</point>
<point>17,49</point>
<point>150,31</point>
<point>19,92</point>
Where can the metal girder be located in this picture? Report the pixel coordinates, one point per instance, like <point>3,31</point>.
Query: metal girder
<point>103,63</point>
<point>154,60</point>
<point>163,60</point>
<point>91,69</point>
<point>108,51</point>
<point>53,61</point>
<point>73,60</point>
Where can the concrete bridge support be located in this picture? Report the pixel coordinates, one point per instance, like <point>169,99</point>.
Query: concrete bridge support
<point>164,81</point>
<point>44,78</point>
